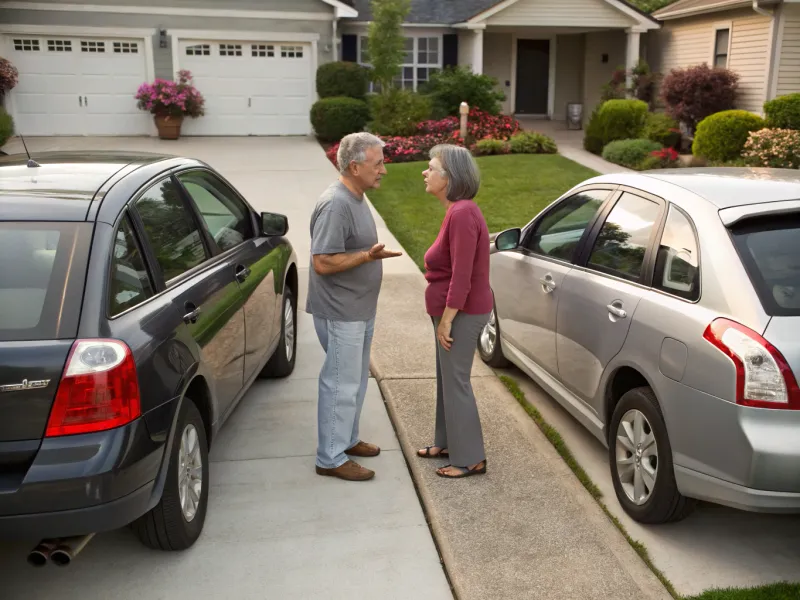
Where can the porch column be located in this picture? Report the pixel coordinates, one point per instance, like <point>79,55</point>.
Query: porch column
<point>632,54</point>
<point>477,51</point>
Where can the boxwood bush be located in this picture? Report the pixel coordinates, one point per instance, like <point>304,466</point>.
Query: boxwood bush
<point>783,112</point>
<point>630,153</point>
<point>722,136</point>
<point>334,118</point>
<point>615,120</point>
<point>531,142</point>
<point>662,128</point>
<point>398,113</point>
<point>342,79</point>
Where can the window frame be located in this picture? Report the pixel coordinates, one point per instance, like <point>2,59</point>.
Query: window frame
<point>126,216</point>
<point>214,247</point>
<point>670,206</point>
<point>531,227</point>
<point>415,64</point>
<point>648,266</point>
<point>716,28</point>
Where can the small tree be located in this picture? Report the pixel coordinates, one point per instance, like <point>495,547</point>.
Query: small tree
<point>386,45</point>
<point>692,94</point>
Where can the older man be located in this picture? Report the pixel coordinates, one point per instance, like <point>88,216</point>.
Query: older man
<point>344,282</point>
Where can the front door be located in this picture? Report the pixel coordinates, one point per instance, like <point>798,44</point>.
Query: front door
<point>533,77</point>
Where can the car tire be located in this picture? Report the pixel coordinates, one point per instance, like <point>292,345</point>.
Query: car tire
<point>661,503</point>
<point>281,364</point>
<point>166,526</point>
<point>489,347</point>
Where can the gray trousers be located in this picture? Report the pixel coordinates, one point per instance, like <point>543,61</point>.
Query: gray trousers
<point>458,425</point>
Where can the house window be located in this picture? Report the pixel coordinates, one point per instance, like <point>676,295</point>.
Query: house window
<point>198,50</point>
<point>230,49</point>
<point>93,47</point>
<point>291,52</point>
<point>721,43</point>
<point>26,45</point>
<point>126,48</point>
<point>262,50</point>
<point>422,58</point>
<point>59,45</point>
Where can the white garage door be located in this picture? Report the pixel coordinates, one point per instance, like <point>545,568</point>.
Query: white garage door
<point>250,88</point>
<point>78,86</point>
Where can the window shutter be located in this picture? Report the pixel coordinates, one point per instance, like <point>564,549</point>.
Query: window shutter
<point>450,50</point>
<point>350,48</point>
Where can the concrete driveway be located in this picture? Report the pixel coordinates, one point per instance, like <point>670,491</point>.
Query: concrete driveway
<point>274,528</point>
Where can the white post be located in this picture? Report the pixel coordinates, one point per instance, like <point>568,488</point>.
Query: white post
<point>464,111</point>
<point>632,54</point>
<point>477,52</point>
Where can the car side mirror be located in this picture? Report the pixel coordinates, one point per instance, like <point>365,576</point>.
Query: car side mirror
<point>273,224</point>
<point>508,239</point>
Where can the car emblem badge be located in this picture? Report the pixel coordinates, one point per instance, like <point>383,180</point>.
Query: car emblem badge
<point>25,385</point>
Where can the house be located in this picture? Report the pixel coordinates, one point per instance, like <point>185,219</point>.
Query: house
<point>758,39</point>
<point>255,60</point>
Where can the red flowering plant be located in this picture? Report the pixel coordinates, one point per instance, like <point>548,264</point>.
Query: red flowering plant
<point>171,98</point>
<point>480,126</point>
<point>9,75</point>
<point>666,158</point>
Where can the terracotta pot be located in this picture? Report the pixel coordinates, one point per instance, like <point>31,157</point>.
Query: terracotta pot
<point>169,128</point>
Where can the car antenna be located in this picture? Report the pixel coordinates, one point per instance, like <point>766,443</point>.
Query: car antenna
<point>32,164</point>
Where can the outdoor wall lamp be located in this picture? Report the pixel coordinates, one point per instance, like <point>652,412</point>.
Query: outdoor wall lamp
<point>162,37</point>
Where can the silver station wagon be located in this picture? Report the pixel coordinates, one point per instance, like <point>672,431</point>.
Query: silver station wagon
<point>662,309</point>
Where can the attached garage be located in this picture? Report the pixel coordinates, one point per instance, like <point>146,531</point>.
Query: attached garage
<point>259,86</point>
<point>79,85</point>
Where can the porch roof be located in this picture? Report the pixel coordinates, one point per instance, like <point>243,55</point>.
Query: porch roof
<point>686,8</point>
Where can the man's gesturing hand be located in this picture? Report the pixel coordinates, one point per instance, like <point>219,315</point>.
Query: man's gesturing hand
<point>379,252</point>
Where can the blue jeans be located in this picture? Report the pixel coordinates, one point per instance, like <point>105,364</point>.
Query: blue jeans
<point>342,386</point>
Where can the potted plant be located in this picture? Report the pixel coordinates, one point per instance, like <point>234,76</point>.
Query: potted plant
<point>170,102</point>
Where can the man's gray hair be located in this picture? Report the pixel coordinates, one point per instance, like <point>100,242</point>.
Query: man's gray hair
<point>353,148</point>
<point>463,175</point>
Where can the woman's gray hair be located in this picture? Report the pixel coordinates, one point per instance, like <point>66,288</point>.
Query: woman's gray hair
<point>353,148</point>
<point>463,175</point>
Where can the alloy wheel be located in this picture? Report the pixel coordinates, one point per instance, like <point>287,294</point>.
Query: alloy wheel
<point>288,329</point>
<point>489,336</point>
<point>636,457</point>
<point>190,469</point>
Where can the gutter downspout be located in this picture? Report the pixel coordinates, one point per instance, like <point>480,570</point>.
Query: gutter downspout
<point>762,11</point>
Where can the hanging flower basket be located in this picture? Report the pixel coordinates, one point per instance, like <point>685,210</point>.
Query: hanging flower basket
<point>170,102</point>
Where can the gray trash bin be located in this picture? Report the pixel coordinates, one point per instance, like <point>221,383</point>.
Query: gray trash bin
<point>574,115</point>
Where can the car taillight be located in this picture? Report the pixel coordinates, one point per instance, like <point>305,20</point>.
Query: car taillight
<point>763,377</point>
<point>99,389</point>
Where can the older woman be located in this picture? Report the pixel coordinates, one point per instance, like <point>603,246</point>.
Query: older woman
<point>459,301</point>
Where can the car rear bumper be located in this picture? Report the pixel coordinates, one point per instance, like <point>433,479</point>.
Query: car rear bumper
<point>82,484</point>
<point>704,487</point>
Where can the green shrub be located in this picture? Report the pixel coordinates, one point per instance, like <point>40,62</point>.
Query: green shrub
<point>662,128</point>
<point>530,142</point>
<point>615,120</point>
<point>334,118</point>
<point>342,79</point>
<point>722,136</point>
<point>489,147</point>
<point>783,112</point>
<point>398,113</point>
<point>449,88</point>
<point>6,127</point>
<point>630,153</point>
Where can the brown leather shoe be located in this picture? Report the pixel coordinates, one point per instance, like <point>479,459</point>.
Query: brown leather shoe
<point>349,471</point>
<point>364,450</point>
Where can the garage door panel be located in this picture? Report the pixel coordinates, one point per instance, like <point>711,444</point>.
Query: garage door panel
<point>38,104</point>
<point>49,84</point>
<point>226,105</point>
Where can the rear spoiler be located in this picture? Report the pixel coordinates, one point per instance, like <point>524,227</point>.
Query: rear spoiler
<point>731,216</point>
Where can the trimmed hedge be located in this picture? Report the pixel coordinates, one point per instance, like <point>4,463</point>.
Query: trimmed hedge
<point>531,142</point>
<point>398,113</point>
<point>783,112</point>
<point>491,147</point>
<point>722,136</point>
<point>6,127</point>
<point>334,118</point>
<point>630,153</point>
<point>662,128</point>
<point>615,120</point>
<point>342,79</point>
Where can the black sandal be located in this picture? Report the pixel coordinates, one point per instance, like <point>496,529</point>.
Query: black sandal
<point>443,453</point>
<point>465,471</point>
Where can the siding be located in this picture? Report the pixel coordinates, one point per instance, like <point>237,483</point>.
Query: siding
<point>561,13</point>
<point>690,41</point>
<point>277,5</point>
<point>162,57</point>
<point>570,55</point>
<point>497,63</point>
<point>789,63</point>
<point>465,45</point>
<point>597,73</point>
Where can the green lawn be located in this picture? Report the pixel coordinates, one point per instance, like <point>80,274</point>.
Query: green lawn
<point>780,591</point>
<point>514,189</point>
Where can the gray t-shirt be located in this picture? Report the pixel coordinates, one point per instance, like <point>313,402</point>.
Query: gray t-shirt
<point>341,222</point>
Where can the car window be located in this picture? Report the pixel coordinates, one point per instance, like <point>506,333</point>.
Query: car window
<point>226,216</point>
<point>622,243</point>
<point>678,261</point>
<point>130,284</point>
<point>769,247</point>
<point>559,232</point>
<point>171,230</point>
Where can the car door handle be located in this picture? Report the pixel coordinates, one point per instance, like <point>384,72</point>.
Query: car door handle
<point>191,316</point>
<point>617,311</point>
<point>80,101</point>
<point>242,273</point>
<point>548,285</point>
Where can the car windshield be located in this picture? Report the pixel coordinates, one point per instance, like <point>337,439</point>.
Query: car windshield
<point>42,269</point>
<point>770,251</point>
